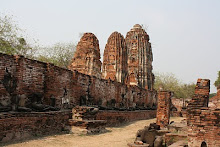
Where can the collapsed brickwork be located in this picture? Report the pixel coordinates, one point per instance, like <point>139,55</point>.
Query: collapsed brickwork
<point>115,58</point>
<point>87,56</point>
<point>178,106</point>
<point>139,58</point>
<point>163,108</point>
<point>203,122</point>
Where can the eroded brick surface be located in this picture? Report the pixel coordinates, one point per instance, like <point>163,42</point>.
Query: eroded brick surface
<point>203,122</point>
<point>163,108</point>
<point>87,56</point>
<point>139,58</point>
<point>64,89</point>
<point>115,58</point>
<point>17,126</point>
<point>115,118</point>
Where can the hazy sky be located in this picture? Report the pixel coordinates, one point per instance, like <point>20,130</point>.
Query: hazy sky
<point>184,34</point>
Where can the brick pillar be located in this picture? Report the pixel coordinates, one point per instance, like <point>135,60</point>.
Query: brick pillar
<point>163,108</point>
<point>201,96</point>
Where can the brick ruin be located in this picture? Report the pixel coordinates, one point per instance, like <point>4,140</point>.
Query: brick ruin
<point>203,121</point>
<point>126,60</point>
<point>63,88</point>
<point>87,56</point>
<point>139,58</point>
<point>28,88</point>
<point>114,65</point>
<point>163,108</point>
<point>36,98</point>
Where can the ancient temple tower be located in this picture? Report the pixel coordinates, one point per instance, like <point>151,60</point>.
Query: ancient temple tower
<point>115,58</point>
<point>87,56</point>
<point>139,58</point>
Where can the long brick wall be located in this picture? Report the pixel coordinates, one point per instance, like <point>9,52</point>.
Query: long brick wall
<point>66,87</point>
<point>115,118</point>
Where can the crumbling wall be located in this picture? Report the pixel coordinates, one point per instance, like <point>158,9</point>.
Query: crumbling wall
<point>19,78</point>
<point>115,118</point>
<point>163,108</point>
<point>59,87</point>
<point>17,126</point>
<point>203,122</point>
<point>63,88</point>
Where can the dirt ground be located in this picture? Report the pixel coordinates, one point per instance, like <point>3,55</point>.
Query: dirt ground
<point>116,137</point>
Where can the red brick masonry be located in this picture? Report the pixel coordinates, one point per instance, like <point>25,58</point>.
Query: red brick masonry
<point>17,126</point>
<point>69,88</point>
<point>115,118</point>
<point>163,108</point>
<point>203,122</point>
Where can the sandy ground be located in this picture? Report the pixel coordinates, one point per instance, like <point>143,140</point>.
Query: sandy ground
<point>116,137</point>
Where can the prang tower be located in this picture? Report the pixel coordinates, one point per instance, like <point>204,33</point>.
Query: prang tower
<point>114,65</point>
<point>87,56</point>
<point>140,58</point>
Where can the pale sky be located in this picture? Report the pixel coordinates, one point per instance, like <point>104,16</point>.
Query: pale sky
<point>184,34</point>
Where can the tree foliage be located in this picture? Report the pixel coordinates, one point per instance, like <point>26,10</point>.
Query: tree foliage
<point>60,54</point>
<point>168,81</point>
<point>217,82</point>
<point>11,41</point>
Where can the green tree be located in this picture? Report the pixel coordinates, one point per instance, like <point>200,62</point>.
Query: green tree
<point>11,42</point>
<point>60,54</point>
<point>217,82</point>
<point>168,81</point>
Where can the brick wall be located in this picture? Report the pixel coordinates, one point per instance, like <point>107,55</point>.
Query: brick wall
<point>67,88</point>
<point>203,123</point>
<point>115,118</point>
<point>17,126</point>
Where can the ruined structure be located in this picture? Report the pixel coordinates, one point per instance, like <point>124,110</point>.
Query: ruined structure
<point>25,82</point>
<point>139,58</point>
<point>87,56</point>
<point>83,121</point>
<point>115,58</point>
<point>28,87</point>
<point>203,122</point>
<point>163,108</point>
